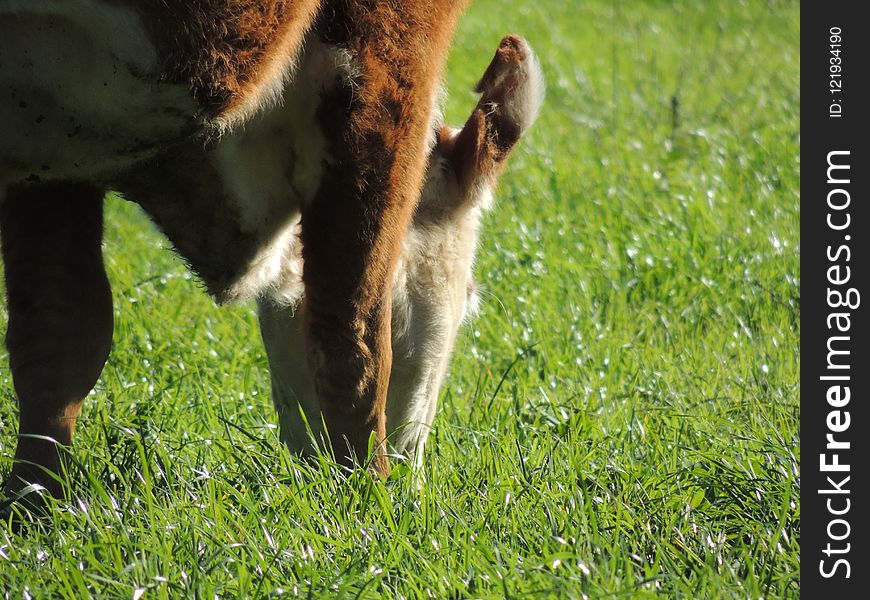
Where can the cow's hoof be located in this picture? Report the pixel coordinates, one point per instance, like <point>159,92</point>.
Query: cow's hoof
<point>26,505</point>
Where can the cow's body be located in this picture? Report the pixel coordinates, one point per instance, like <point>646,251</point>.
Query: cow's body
<point>254,134</point>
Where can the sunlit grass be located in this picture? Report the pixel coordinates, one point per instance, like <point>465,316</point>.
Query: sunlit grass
<point>621,418</point>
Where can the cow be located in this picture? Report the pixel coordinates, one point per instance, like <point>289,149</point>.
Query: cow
<point>281,146</point>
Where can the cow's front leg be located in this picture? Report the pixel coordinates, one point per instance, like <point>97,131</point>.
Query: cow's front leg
<point>350,244</point>
<point>376,125</point>
<point>60,317</point>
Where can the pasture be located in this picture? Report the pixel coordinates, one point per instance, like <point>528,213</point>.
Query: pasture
<point>621,419</point>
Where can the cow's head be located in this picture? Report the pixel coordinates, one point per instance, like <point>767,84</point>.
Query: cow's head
<point>434,290</point>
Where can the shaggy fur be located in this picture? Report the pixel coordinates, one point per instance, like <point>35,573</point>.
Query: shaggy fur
<point>234,55</point>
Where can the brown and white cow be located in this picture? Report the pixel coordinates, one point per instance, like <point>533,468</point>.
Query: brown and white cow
<point>280,145</point>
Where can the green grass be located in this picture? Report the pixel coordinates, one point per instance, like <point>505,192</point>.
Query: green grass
<point>620,421</point>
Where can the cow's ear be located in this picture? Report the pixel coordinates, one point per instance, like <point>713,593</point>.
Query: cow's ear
<point>511,95</point>
<point>472,158</point>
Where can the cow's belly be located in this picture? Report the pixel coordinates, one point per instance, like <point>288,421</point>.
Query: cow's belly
<point>78,91</point>
<point>233,211</point>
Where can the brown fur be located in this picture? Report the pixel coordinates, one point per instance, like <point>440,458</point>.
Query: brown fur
<point>223,49</point>
<point>352,231</point>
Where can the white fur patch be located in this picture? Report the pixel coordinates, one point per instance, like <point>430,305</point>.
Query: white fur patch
<point>78,91</point>
<point>273,165</point>
<point>292,386</point>
<point>276,269</point>
<point>524,104</point>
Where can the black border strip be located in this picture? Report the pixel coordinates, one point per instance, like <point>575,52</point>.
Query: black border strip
<point>826,253</point>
